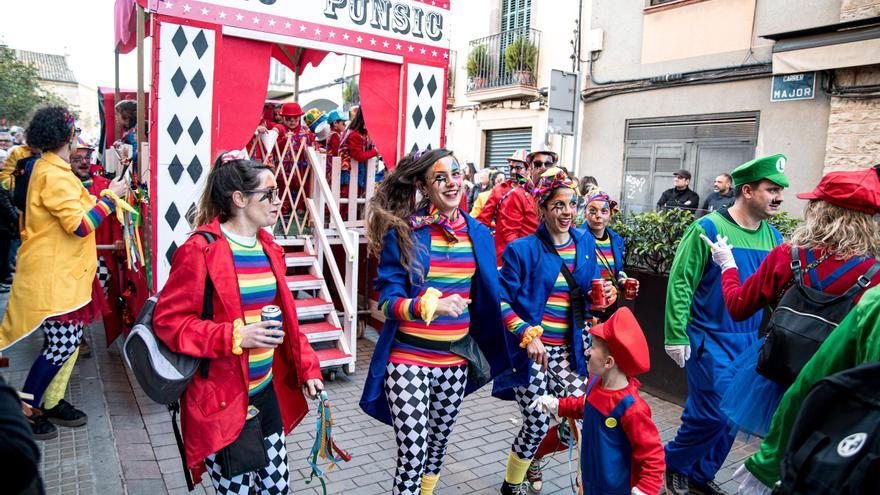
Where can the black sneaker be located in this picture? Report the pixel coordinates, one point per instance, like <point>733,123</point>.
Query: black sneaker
<point>508,489</point>
<point>676,483</point>
<point>534,476</point>
<point>710,488</point>
<point>41,427</point>
<point>64,414</point>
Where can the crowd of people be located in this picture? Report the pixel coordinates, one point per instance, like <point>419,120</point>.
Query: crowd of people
<point>517,280</point>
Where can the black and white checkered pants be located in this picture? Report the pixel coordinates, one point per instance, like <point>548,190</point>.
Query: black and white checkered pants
<point>270,480</point>
<point>60,340</point>
<point>424,402</point>
<point>103,275</point>
<point>562,382</point>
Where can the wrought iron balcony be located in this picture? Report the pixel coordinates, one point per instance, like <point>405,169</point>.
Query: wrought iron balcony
<point>505,59</point>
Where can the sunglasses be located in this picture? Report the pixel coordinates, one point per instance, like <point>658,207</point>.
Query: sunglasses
<point>539,163</point>
<point>270,193</point>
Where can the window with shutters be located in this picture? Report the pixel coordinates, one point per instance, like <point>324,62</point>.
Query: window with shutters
<point>707,146</point>
<point>501,143</point>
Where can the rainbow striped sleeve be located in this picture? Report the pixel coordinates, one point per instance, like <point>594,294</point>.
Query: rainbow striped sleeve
<point>403,309</point>
<point>513,322</point>
<point>93,218</point>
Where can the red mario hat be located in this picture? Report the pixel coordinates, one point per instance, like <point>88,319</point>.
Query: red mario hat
<point>626,342</point>
<point>853,190</point>
<point>291,109</point>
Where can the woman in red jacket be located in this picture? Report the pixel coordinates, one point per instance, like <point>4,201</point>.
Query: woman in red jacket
<point>235,418</point>
<point>837,247</point>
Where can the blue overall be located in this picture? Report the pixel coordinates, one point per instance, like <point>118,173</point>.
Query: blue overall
<point>606,453</point>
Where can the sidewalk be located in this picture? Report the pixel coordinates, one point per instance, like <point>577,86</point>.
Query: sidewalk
<point>129,446</point>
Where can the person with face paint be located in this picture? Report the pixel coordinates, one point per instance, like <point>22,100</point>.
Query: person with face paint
<point>545,281</point>
<point>600,208</point>
<point>55,288</point>
<point>438,289</point>
<point>701,335</point>
<point>500,190</point>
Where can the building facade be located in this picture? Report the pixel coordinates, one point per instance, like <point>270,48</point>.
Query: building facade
<point>706,85</point>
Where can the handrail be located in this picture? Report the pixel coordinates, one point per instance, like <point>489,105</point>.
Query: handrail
<point>335,217</point>
<point>328,252</point>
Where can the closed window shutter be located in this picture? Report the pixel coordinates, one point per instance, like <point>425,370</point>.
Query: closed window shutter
<point>501,143</point>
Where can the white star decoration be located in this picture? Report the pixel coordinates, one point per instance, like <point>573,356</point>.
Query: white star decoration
<point>373,41</point>
<point>422,51</point>
<point>359,39</point>
<point>385,44</point>
<point>317,32</point>
<point>433,53</point>
<point>256,20</point>
<point>168,5</point>
<point>410,48</point>
<point>222,15</point>
<point>287,25</point>
<point>239,17</point>
<point>445,54</point>
<point>345,36</point>
<point>397,46</point>
<point>271,22</point>
<point>302,28</point>
<point>332,34</point>
<point>186,8</point>
<point>204,11</point>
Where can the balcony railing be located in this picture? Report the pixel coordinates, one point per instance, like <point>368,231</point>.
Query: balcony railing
<point>508,58</point>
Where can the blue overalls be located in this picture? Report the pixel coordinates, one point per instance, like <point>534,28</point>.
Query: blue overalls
<point>606,453</point>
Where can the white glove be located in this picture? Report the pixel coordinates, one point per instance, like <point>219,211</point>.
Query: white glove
<point>636,491</point>
<point>547,404</point>
<point>679,353</point>
<point>722,252</point>
<point>748,484</point>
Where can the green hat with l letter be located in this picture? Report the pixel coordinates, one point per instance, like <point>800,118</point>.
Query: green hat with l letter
<point>770,167</point>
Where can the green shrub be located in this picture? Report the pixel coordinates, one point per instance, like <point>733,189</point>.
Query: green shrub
<point>479,62</point>
<point>652,237</point>
<point>785,223</point>
<point>521,55</point>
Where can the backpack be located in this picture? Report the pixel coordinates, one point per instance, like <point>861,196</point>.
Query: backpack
<point>803,320</point>
<point>162,373</point>
<point>834,448</point>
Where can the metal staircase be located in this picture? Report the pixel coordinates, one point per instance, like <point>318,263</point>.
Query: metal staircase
<point>309,228</point>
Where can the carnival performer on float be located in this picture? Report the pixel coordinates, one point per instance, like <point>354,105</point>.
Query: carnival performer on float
<point>835,249</point>
<point>438,290</point>
<point>545,281</point>
<point>258,371</point>
<point>126,115</point>
<point>55,288</point>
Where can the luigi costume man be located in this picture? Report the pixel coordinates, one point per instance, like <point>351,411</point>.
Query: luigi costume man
<point>700,334</point>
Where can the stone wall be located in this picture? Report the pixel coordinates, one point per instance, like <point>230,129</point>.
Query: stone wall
<point>854,123</point>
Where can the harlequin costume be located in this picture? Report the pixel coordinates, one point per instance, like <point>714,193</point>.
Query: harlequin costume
<point>695,316</point>
<point>410,381</point>
<point>620,446</point>
<point>536,302</point>
<point>752,398</point>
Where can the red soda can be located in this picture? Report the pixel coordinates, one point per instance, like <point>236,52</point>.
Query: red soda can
<point>630,288</point>
<point>598,293</point>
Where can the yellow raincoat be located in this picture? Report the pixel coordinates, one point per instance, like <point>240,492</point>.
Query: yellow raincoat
<point>55,267</point>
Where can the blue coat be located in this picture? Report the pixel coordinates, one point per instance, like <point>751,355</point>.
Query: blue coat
<point>485,309</point>
<point>617,246</point>
<point>528,275</point>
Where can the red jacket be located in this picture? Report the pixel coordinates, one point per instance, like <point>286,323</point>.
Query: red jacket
<point>333,143</point>
<point>359,147</point>
<point>516,217</point>
<point>766,286</point>
<point>214,408</point>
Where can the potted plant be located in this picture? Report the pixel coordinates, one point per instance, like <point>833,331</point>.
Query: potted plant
<point>479,64</point>
<point>521,57</point>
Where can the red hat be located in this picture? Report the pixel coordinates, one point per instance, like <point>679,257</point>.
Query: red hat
<point>626,342</point>
<point>854,190</point>
<point>291,109</point>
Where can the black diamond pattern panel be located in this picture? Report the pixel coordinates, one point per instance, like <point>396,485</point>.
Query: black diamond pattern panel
<point>200,44</point>
<point>432,86</point>
<point>414,148</point>
<point>175,169</point>
<point>194,169</point>
<point>430,117</point>
<point>417,116</point>
<point>175,129</point>
<point>198,83</point>
<point>195,130</point>
<point>179,40</point>
<point>418,84</point>
<point>172,216</point>
<point>170,252</point>
<point>178,81</point>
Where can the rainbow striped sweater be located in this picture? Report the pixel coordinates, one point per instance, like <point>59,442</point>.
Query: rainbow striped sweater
<point>451,269</point>
<point>257,286</point>
<point>555,322</point>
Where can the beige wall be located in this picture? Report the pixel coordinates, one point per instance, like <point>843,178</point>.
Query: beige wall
<point>698,29</point>
<point>859,9</point>
<point>796,128</point>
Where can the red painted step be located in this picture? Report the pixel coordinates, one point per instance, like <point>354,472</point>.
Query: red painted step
<point>332,357</point>
<point>321,331</point>
<point>303,282</point>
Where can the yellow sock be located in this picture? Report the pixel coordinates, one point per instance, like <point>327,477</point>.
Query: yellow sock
<point>516,469</point>
<point>55,391</point>
<point>429,481</point>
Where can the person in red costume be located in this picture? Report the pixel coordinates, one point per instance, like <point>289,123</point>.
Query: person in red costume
<point>258,371</point>
<point>621,451</point>
<point>510,206</point>
<point>356,145</point>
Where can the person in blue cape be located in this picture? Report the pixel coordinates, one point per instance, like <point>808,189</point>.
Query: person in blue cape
<point>438,290</point>
<point>545,282</point>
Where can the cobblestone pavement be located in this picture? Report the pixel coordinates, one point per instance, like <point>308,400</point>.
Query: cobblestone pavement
<point>138,454</point>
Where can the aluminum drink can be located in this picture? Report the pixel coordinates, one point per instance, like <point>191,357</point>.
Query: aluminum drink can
<point>598,293</point>
<point>630,288</point>
<point>271,312</point>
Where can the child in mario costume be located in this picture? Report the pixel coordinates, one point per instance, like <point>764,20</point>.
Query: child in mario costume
<point>621,453</point>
